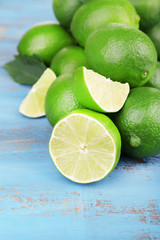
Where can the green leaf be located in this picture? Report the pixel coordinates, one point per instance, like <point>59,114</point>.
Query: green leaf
<point>25,69</point>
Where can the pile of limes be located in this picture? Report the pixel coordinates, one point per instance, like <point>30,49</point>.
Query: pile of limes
<point>101,85</point>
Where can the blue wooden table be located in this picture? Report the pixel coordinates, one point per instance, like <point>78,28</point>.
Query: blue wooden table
<point>36,201</point>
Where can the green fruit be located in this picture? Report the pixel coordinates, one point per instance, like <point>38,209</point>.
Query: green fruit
<point>122,53</point>
<point>97,92</point>
<point>60,99</point>
<point>94,14</point>
<point>149,12</point>
<point>85,146</point>
<point>67,60</point>
<point>154,81</point>
<point>65,9</point>
<point>139,122</point>
<point>44,41</point>
<point>154,34</point>
<point>33,104</point>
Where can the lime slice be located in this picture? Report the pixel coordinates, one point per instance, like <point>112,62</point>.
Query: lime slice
<point>96,92</point>
<point>33,105</point>
<point>85,146</point>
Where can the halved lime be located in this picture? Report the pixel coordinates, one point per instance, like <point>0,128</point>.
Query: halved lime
<point>85,146</point>
<point>98,93</point>
<point>33,105</point>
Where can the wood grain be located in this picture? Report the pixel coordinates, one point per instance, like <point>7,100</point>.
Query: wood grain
<point>36,201</point>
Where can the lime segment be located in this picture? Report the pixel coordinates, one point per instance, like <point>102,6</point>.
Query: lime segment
<point>85,146</point>
<point>33,105</point>
<point>98,93</point>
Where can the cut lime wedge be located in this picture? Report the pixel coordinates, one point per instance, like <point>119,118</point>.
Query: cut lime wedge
<point>98,93</point>
<point>85,146</point>
<point>33,105</point>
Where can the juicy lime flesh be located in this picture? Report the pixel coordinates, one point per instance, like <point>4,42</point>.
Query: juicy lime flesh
<point>82,149</point>
<point>33,104</point>
<point>109,95</point>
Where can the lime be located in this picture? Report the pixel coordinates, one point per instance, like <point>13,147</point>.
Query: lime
<point>94,14</point>
<point>45,41</point>
<point>154,81</point>
<point>149,12</point>
<point>67,60</point>
<point>154,34</point>
<point>60,99</point>
<point>85,146</point>
<point>65,9</point>
<point>97,92</point>
<point>33,105</point>
<point>139,122</point>
<point>122,53</point>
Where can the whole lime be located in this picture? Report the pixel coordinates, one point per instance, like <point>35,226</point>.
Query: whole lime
<point>154,81</point>
<point>149,12</point>
<point>60,99</point>
<point>139,122</point>
<point>67,60</point>
<point>154,34</point>
<point>45,41</point>
<point>65,9</point>
<point>94,14</point>
<point>122,53</point>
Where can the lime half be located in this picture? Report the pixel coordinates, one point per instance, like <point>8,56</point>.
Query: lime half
<point>33,105</point>
<point>85,146</point>
<point>98,93</point>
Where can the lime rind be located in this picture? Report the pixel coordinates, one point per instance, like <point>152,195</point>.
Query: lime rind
<point>45,23</point>
<point>33,104</point>
<point>83,158</point>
